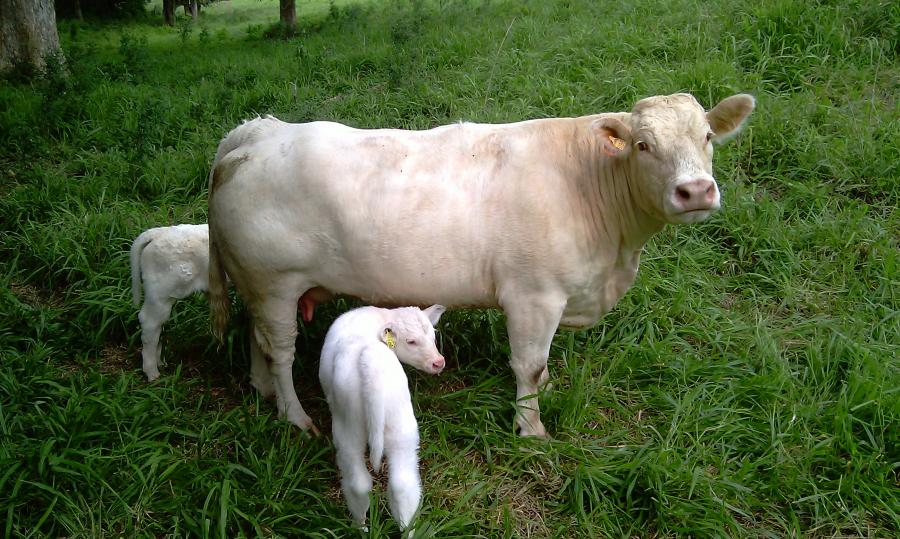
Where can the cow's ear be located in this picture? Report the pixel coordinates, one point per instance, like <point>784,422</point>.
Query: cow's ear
<point>434,313</point>
<point>614,137</point>
<point>727,118</point>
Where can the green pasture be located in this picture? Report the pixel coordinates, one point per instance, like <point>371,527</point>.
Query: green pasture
<point>748,385</point>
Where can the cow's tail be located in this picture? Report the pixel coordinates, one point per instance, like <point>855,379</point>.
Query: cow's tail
<point>373,407</point>
<point>219,302</point>
<point>136,249</point>
<point>247,132</point>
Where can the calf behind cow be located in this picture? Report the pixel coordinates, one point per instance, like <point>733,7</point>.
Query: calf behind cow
<point>174,263</point>
<point>545,219</point>
<point>367,393</point>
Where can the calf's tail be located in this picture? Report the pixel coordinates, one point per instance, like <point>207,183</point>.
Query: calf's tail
<point>136,249</point>
<point>374,407</point>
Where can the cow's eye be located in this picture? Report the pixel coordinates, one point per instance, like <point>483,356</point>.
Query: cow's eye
<point>411,342</point>
<point>642,146</point>
<point>709,136</point>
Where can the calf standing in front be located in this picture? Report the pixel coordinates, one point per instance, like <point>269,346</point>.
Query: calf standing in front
<point>368,395</point>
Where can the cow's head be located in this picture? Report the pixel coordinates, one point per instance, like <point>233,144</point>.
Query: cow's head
<point>667,143</point>
<point>410,334</point>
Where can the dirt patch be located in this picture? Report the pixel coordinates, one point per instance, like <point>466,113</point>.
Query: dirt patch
<point>35,296</point>
<point>451,385</point>
<point>526,507</point>
<point>116,358</point>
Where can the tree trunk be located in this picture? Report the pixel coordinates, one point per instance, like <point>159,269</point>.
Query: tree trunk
<point>168,12</point>
<point>27,32</point>
<point>78,13</point>
<point>195,9</point>
<point>288,13</point>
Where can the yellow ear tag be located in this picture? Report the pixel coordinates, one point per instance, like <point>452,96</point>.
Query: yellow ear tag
<point>389,339</point>
<point>617,142</point>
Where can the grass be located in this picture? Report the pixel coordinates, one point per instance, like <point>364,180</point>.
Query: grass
<point>746,386</point>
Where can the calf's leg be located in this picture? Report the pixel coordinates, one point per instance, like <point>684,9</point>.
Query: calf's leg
<point>356,483</point>
<point>404,483</point>
<point>153,314</point>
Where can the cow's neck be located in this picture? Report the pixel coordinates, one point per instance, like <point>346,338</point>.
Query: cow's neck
<point>613,217</point>
<point>613,231</point>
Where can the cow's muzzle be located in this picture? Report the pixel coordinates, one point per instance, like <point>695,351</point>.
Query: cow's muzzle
<point>692,200</point>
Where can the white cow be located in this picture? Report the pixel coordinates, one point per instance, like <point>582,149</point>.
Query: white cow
<point>545,219</point>
<point>368,395</point>
<point>174,263</point>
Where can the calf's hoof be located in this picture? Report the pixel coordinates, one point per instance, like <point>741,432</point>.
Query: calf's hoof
<point>152,374</point>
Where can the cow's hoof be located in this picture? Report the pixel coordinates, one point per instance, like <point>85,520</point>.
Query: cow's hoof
<point>305,423</point>
<point>265,387</point>
<point>534,430</point>
<point>313,430</point>
<point>152,375</point>
<point>537,435</point>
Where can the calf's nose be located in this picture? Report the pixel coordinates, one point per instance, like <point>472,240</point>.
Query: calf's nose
<point>438,363</point>
<point>698,194</point>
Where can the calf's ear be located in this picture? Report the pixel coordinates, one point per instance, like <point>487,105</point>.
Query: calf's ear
<point>614,137</point>
<point>434,313</point>
<point>727,118</point>
<point>387,335</point>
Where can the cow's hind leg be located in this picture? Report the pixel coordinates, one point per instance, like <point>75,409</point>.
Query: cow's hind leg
<point>275,329</point>
<point>153,314</point>
<point>260,377</point>
<point>531,325</point>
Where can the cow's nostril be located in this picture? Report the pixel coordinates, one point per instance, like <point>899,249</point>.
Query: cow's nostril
<point>683,193</point>
<point>709,189</point>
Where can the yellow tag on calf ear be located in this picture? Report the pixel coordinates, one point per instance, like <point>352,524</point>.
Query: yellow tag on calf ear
<point>617,142</point>
<point>389,339</point>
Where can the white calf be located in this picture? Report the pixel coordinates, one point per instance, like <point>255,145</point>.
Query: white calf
<point>174,263</point>
<point>368,395</point>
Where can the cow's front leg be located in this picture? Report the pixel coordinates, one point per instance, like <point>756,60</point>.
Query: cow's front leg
<point>275,328</point>
<point>531,325</point>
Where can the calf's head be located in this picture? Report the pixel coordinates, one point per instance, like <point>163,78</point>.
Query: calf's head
<point>666,144</point>
<point>409,332</point>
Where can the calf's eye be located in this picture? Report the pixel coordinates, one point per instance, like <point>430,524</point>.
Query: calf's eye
<point>642,146</point>
<point>709,136</point>
<point>411,342</point>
